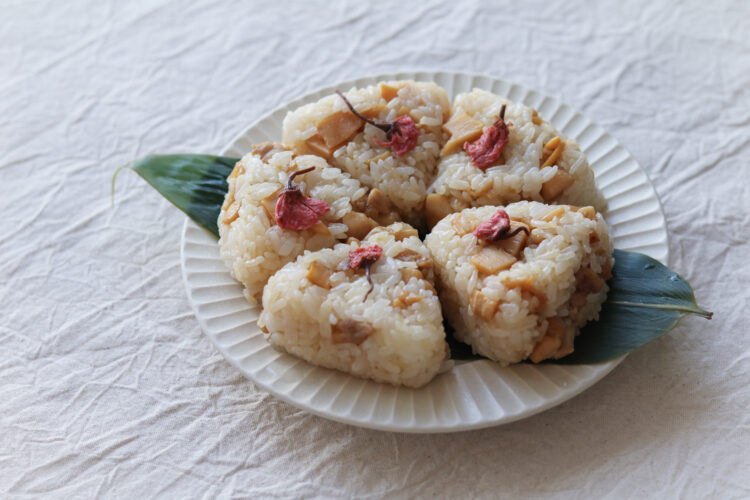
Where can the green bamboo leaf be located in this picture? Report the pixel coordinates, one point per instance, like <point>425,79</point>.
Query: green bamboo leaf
<point>196,184</point>
<point>646,300</point>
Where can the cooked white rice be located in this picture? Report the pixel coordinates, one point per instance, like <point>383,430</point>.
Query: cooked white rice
<point>404,179</point>
<point>519,174</point>
<point>558,280</point>
<point>251,245</point>
<point>395,336</point>
<point>312,308</point>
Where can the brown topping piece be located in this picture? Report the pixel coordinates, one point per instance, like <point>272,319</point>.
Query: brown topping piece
<point>435,208</point>
<point>407,273</point>
<point>555,212</point>
<point>405,299</point>
<point>535,119</point>
<point>404,231</point>
<point>578,300</point>
<point>552,143</point>
<point>317,146</point>
<point>551,341</point>
<point>238,170</point>
<point>267,149</point>
<point>321,228</point>
<point>462,128</point>
<point>269,203</point>
<point>378,201</point>
<point>232,212</point>
<point>515,244</point>
<point>319,274</point>
<point>350,331</point>
<point>588,212</point>
<point>373,111</point>
<point>389,92</point>
<point>552,152</point>
<point>412,256</point>
<point>338,128</point>
<point>593,237</point>
<point>483,306</point>
<point>491,260</point>
<point>606,270</point>
<point>359,224</point>
<point>526,285</point>
<point>587,281</point>
<point>229,198</point>
<point>561,181</point>
<point>566,347</point>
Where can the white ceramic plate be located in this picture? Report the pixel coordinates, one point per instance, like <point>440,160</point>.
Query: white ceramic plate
<point>475,393</point>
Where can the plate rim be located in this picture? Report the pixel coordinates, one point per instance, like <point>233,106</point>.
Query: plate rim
<point>423,75</point>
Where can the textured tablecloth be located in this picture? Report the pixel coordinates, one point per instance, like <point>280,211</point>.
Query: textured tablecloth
<point>108,388</point>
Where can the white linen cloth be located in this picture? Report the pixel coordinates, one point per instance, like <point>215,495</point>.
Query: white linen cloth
<point>109,389</point>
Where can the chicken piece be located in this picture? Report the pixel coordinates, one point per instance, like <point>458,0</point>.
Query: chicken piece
<point>462,128</point>
<point>350,331</point>
<point>491,260</point>
<point>338,128</point>
<point>319,274</point>
<point>557,184</point>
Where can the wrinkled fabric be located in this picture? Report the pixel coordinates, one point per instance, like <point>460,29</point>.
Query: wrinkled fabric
<point>109,389</point>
